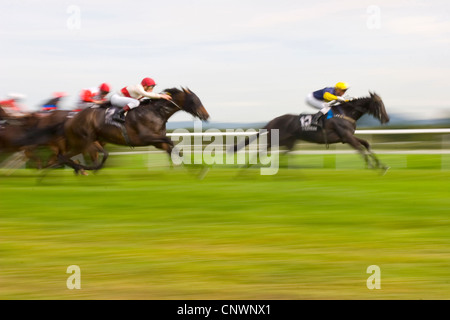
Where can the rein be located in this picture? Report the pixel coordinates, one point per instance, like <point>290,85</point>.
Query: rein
<point>350,119</point>
<point>176,105</point>
<point>168,93</point>
<point>341,116</point>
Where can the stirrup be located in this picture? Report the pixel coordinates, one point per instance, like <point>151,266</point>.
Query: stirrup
<point>119,118</point>
<point>317,120</point>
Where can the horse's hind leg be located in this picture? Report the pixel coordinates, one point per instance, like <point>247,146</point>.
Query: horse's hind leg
<point>53,163</point>
<point>289,143</point>
<point>93,150</point>
<point>66,158</point>
<point>14,162</point>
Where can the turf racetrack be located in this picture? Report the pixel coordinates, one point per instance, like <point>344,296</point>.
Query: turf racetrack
<point>163,234</point>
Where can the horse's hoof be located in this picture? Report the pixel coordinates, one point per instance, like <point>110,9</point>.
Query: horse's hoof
<point>203,173</point>
<point>384,170</point>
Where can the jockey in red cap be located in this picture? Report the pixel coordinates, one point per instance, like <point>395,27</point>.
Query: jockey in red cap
<point>128,98</point>
<point>12,105</point>
<point>92,97</point>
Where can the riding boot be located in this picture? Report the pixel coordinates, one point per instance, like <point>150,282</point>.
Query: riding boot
<point>120,116</point>
<point>315,119</point>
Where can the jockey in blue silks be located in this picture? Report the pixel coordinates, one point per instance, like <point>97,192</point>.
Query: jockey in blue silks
<point>324,98</point>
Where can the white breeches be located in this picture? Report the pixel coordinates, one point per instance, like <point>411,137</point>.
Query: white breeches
<point>121,101</point>
<point>317,104</point>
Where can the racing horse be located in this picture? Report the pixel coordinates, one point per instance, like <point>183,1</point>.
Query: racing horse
<point>14,129</point>
<point>144,125</point>
<point>55,140</point>
<point>339,126</point>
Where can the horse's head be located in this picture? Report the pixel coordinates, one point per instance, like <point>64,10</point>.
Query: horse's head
<point>189,102</point>
<point>377,109</point>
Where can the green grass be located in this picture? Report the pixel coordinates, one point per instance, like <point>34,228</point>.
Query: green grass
<point>305,233</point>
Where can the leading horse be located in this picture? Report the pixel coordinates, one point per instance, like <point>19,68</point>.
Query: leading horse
<point>340,127</point>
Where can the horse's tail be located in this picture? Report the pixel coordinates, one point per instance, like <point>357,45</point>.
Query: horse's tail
<point>40,136</point>
<point>247,141</point>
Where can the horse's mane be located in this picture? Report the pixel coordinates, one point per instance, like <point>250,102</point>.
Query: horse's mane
<point>183,99</point>
<point>372,104</point>
<point>171,91</point>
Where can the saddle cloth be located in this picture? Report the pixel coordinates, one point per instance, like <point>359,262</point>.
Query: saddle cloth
<point>306,119</point>
<point>109,113</point>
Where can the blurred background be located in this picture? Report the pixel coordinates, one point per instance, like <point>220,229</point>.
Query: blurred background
<point>248,61</point>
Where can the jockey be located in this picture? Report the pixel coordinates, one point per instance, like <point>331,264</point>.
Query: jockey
<point>324,98</point>
<point>128,98</point>
<point>52,104</point>
<point>12,105</point>
<point>93,96</point>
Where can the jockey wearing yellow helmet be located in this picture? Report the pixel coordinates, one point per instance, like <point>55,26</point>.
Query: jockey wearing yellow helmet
<point>322,99</point>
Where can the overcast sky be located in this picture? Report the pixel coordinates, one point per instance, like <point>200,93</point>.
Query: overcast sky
<point>247,60</point>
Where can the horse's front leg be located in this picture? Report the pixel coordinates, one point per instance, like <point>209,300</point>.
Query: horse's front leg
<point>65,159</point>
<point>378,163</point>
<point>93,151</point>
<point>168,149</point>
<point>371,160</point>
<point>348,137</point>
<point>30,154</point>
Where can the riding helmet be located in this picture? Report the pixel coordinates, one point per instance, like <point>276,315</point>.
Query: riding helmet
<point>146,82</point>
<point>342,85</point>
<point>105,87</point>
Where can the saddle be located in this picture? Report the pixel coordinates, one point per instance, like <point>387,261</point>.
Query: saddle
<point>109,120</point>
<point>109,115</point>
<point>307,125</point>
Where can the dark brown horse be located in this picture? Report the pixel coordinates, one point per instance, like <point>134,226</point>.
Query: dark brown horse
<point>18,128</point>
<point>12,127</point>
<point>144,126</point>
<point>340,127</point>
<point>56,140</point>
